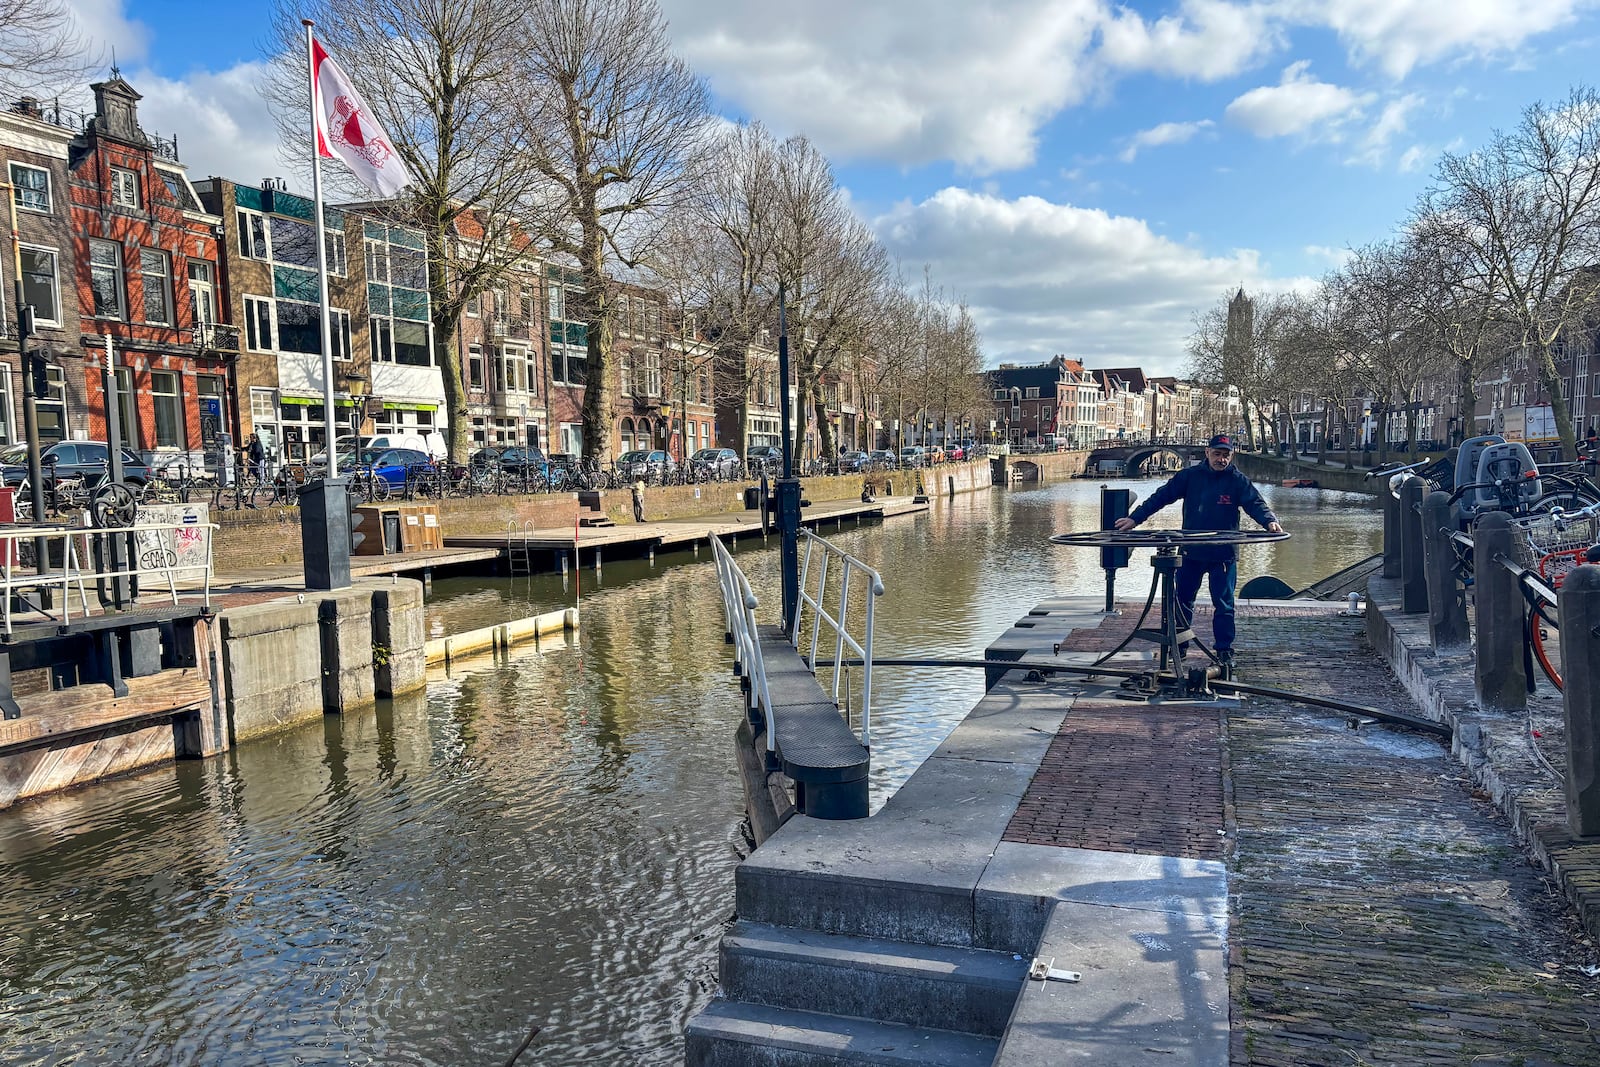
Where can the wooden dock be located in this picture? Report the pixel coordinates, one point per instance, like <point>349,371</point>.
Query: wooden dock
<point>682,533</point>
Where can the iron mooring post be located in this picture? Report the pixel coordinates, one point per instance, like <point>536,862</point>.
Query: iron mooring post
<point>1391,534</point>
<point>1501,676</point>
<point>1579,609</point>
<point>1413,573</point>
<point>1447,598</point>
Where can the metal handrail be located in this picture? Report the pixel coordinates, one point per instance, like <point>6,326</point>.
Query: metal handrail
<point>739,607</point>
<point>839,625</point>
<point>73,573</point>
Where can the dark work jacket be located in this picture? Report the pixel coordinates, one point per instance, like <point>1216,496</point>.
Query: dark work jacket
<point>1211,501</point>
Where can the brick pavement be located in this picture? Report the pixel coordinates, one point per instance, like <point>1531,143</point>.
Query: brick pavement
<point>1381,911</point>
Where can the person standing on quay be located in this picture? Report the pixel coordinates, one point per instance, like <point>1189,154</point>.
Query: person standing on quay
<point>638,500</point>
<point>1213,494</point>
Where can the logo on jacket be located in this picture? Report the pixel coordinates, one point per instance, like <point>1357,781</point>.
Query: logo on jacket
<point>1224,499</point>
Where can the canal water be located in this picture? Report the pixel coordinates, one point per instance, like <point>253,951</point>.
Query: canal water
<point>546,840</point>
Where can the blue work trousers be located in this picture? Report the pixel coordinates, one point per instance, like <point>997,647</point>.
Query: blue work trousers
<point>1220,575</point>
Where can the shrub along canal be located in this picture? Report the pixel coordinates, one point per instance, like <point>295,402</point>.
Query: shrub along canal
<point>547,840</point>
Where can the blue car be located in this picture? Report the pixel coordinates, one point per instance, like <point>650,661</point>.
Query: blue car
<point>389,464</point>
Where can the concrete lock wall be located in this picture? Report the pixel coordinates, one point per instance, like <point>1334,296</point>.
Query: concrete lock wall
<point>294,659</point>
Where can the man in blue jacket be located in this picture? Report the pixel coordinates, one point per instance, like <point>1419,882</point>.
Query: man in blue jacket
<point>1213,493</point>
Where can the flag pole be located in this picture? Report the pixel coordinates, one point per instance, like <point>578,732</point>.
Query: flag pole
<point>329,419</point>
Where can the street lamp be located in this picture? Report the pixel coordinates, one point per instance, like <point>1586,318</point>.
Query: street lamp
<point>356,384</point>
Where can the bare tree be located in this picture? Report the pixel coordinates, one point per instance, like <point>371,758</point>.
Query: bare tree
<point>440,78</point>
<point>1527,209</point>
<point>614,121</point>
<point>41,50</point>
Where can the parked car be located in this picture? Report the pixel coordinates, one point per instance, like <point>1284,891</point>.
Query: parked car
<point>390,464</point>
<point>765,457</point>
<point>71,459</point>
<point>852,462</point>
<point>653,465</point>
<point>955,453</point>
<point>716,463</point>
<point>881,459</point>
<point>520,459</point>
<point>913,456</point>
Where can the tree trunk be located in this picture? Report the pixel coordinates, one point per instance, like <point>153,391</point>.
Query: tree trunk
<point>1558,404</point>
<point>598,395</point>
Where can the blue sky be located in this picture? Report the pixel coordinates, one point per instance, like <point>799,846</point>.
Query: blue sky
<point>1086,175</point>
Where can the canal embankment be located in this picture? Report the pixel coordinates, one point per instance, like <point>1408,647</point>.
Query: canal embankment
<point>1275,884</point>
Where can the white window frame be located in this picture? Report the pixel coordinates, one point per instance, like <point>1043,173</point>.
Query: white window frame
<point>174,399</point>
<point>339,334</point>
<point>252,321</point>
<point>206,286</point>
<point>8,432</point>
<point>125,188</point>
<point>18,190</point>
<point>245,217</point>
<point>120,312</point>
<point>55,284</point>
<point>337,252</point>
<point>163,281</point>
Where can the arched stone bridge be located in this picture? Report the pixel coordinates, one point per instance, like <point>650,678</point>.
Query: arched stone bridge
<point>1135,457</point>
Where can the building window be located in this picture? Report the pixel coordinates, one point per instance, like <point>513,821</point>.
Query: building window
<point>127,409</point>
<point>202,292</point>
<point>105,278</point>
<point>257,324</point>
<point>292,242</point>
<point>299,328</point>
<point>30,188</point>
<point>475,366</point>
<point>1032,393</point>
<point>8,431</point>
<point>474,302</point>
<point>532,371</point>
<point>652,372</point>
<point>338,256</point>
<point>39,284</point>
<point>339,329</point>
<point>124,187</point>
<point>252,234</point>
<point>155,270</point>
<point>168,409</point>
<point>411,344</point>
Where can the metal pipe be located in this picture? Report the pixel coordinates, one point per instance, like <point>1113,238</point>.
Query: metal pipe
<point>1397,718</point>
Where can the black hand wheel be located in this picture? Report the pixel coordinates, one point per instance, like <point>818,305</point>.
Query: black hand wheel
<point>114,505</point>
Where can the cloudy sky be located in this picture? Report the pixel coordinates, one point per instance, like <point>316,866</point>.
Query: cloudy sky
<point>1086,175</point>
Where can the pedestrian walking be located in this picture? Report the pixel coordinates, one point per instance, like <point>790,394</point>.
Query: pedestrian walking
<point>255,455</point>
<point>1213,494</point>
<point>638,500</point>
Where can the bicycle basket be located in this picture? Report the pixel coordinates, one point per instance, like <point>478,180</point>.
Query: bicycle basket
<point>1540,543</point>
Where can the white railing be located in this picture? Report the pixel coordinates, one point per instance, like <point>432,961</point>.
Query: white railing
<point>839,623</point>
<point>163,550</point>
<point>739,607</point>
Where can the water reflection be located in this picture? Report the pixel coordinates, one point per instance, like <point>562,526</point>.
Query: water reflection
<point>545,838</point>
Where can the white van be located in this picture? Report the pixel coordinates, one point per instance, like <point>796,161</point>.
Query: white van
<point>348,444</point>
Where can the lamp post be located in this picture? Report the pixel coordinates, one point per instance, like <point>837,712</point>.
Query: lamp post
<point>356,383</point>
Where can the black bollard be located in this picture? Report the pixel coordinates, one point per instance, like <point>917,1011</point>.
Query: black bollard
<point>1501,676</point>
<point>1579,607</point>
<point>1447,598</point>
<point>1391,534</point>
<point>1413,574</point>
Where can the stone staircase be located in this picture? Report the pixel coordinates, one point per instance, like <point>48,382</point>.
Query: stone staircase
<point>798,997</point>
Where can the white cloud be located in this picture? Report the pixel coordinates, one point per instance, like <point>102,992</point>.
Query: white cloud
<point>104,27</point>
<point>1298,103</point>
<point>1165,133</point>
<point>222,122</point>
<point>1398,35</point>
<point>1207,40</point>
<point>1043,277</point>
<point>952,81</point>
<point>1335,256</point>
<point>1392,121</point>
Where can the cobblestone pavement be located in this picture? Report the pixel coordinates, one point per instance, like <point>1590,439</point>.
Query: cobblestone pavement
<point>1381,912</point>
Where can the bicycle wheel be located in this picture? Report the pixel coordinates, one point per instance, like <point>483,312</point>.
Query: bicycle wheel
<point>1544,635</point>
<point>1566,498</point>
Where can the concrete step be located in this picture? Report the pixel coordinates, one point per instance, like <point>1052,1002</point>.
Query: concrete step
<point>731,1033</point>
<point>965,989</point>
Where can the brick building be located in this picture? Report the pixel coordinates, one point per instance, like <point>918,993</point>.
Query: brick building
<point>146,274</point>
<point>34,143</point>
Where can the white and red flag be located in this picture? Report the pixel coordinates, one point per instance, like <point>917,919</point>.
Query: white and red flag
<point>347,130</point>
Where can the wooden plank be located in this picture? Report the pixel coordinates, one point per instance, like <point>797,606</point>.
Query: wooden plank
<point>85,708</point>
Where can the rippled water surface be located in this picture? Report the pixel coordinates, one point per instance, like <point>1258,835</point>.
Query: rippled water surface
<point>544,841</point>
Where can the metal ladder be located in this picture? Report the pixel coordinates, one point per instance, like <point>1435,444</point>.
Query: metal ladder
<point>518,551</point>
